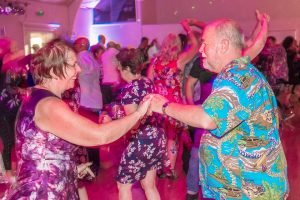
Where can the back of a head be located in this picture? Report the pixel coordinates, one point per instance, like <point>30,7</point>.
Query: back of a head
<point>170,48</point>
<point>287,42</point>
<point>132,59</point>
<point>144,39</point>
<point>230,30</point>
<point>111,44</point>
<point>52,57</point>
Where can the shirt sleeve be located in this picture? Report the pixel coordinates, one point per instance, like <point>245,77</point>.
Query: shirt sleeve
<point>223,106</point>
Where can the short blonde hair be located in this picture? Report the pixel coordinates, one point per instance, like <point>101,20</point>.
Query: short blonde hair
<point>52,57</point>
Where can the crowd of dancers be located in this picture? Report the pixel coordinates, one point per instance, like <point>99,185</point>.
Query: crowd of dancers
<point>72,97</point>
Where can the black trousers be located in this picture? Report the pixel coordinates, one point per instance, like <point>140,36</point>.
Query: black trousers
<point>93,153</point>
<point>8,138</point>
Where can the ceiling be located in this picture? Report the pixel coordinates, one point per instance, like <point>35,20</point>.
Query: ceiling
<point>84,3</point>
<point>65,2</point>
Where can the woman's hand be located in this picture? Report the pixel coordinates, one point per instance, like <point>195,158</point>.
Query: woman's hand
<point>104,118</point>
<point>144,105</point>
<point>157,102</point>
<point>84,169</point>
<point>262,16</point>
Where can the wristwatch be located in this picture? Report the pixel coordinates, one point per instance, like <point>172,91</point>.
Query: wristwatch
<point>164,106</point>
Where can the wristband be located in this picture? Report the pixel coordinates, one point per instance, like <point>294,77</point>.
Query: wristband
<point>164,107</point>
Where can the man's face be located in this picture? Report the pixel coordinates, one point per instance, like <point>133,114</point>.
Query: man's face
<point>81,44</point>
<point>209,49</point>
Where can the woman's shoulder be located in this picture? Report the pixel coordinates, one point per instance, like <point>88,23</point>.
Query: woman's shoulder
<point>139,85</point>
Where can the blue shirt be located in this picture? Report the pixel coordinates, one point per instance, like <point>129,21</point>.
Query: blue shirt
<point>243,157</point>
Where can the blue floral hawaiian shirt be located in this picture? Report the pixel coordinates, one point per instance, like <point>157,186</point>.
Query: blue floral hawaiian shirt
<point>243,157</point>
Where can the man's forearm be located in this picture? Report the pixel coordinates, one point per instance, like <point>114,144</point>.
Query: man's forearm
<point>192,115</point>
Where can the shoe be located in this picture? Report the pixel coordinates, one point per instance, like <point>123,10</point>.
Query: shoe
<point>191,196</point>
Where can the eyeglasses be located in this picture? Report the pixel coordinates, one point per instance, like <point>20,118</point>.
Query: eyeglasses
<point>72,65</point>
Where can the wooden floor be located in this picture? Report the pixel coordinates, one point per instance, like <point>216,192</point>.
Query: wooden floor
<point>105,188</point>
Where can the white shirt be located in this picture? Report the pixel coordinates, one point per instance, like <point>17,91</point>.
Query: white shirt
<point>109,65</point>
<point>90,92</point>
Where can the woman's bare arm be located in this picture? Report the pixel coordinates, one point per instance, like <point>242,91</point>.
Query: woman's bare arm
<point>259,36</point>
<point>54,116</point>
<point>188,54</point>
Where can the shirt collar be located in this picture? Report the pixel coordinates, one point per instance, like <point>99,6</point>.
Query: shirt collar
<point>242,61</point>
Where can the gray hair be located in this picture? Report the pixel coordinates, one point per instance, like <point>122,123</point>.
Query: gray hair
<point>230,30</point>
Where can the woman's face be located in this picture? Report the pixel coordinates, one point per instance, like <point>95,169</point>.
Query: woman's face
<point>71,71</point>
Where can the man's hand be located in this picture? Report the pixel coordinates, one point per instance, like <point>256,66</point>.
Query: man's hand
<point>157,102</point>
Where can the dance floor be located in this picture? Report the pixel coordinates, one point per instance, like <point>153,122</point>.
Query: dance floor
<point>104,187</point>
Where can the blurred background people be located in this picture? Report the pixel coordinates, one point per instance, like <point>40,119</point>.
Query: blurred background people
<point>146,152</point>
<point>90,102</point>
<point>111,77</point>
<point>290,45</point>
<point>166,72</point>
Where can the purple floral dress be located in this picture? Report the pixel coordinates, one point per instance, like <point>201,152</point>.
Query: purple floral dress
<point>46,166</point>
<point>147,147</point>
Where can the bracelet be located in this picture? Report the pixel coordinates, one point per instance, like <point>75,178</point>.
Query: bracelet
<point>164,107</point>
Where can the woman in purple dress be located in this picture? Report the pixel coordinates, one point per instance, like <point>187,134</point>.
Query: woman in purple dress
<point>146,151</point>
<point>47,131</point>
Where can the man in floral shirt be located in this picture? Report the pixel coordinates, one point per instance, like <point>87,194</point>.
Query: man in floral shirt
<point>241,155</point>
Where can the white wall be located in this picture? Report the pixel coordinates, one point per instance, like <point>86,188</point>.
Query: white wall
<point>160,31</point>
<point>127,34</point>
<point>285,15</point>
<point>160,17</point>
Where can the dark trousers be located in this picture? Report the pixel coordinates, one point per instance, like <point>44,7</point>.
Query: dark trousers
<point>109,93</point>
<point>8,138</point>
<point>93,153</point>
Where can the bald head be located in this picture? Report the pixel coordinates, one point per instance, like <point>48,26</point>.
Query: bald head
<point>222,42</point>
<point>230,30</point>
<point>81,44</point>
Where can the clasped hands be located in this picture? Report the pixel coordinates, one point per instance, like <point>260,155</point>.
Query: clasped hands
<point>152,103</point>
